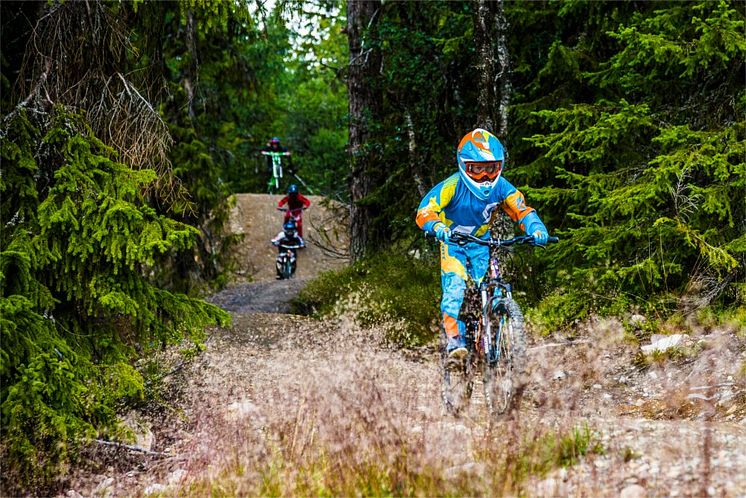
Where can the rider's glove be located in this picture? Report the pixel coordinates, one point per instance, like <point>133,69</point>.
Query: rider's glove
<point>442,232</point>
<point>275,243</point>
<point>541,237</point>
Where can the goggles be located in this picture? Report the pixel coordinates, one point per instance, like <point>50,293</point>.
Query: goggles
<point>483,170</point>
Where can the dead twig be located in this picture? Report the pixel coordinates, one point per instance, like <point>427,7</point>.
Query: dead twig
<point>559,344</point>
<point>702,388</point>
<point>132,448</point>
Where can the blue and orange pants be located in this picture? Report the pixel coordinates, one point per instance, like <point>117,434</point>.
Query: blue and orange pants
<point>453,274</point>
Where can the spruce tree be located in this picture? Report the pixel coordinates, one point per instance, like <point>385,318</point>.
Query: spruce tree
<point>79,244</point>
<point>644,170</point>
<point>83,240</point>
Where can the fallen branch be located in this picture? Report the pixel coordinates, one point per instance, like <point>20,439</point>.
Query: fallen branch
<point>131,448</point>
<point>559,344</point>
<point>703,397</point>
<point>702,388</point>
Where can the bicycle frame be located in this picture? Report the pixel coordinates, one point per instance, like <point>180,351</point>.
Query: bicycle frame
<point>286,258</point>
<point>296,214</point>
<point>493,292</point>
<point>274,181</point>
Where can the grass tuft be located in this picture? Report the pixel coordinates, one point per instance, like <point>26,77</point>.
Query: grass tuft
<point>395,291</point>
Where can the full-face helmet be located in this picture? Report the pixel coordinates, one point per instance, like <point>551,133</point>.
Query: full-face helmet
<point>275,142</point>
<point>289,228</point>
<point>480,158</point>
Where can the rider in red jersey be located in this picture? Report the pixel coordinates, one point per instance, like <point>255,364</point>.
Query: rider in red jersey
<point>296,203</point>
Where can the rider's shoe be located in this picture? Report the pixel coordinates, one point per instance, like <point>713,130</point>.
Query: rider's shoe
<point>456,348</point>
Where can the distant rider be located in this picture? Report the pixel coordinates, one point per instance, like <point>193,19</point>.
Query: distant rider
<point>287,237</point>
<point>274,146</point>
<point>296,203</point>
<point>464,203</point>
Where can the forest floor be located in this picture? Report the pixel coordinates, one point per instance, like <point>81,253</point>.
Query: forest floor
<point>274,402</point>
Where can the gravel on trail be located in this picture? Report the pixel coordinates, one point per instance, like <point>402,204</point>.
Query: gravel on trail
<point>268,297</point>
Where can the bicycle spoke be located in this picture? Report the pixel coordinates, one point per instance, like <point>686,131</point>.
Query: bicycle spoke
<point>501,377</point>
<point>458,381</point>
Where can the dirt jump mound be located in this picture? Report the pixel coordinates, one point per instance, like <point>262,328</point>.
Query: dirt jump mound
<point>257,218</point>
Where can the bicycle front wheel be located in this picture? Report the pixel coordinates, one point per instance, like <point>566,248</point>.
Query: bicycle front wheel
<point>458,380</point>
<point>505,363</point>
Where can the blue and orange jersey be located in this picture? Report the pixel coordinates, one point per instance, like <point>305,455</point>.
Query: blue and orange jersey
<point>452,203</point>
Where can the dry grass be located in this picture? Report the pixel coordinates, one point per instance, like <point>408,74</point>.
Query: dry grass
<point>351,430</point>
<point>289,406</point>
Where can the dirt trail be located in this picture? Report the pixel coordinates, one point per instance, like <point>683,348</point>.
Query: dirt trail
<point>256,217</point>
<point>277,384</point>
<point>273,377</point>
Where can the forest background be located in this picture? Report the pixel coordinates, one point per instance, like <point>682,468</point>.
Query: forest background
<point>127,126</point>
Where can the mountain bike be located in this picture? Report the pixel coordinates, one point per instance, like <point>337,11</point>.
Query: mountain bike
<point>286,260</point>
<point>495,337</point>
<point>273,185</point>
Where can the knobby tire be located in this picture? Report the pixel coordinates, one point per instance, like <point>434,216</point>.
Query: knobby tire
<point>287,270</point>
<point>503,378</point>
<point>458,380</point>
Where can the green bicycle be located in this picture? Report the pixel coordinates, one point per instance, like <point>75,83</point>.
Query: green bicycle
<point>273,185</point>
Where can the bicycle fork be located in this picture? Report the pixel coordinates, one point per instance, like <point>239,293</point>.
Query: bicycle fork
<point>492,302</point>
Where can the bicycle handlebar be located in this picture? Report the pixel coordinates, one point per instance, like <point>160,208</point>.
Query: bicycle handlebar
<point>267,153</point>
<point>462,238</point>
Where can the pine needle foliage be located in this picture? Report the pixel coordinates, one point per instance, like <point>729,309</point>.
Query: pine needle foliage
<point>645,168</point>
<point>77,305</point>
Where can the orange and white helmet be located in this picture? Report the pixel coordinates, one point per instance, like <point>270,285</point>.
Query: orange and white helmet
<point>480,158</point>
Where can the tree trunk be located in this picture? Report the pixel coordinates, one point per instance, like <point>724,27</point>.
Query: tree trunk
<point>190,79</point>
<point>486,63</point>
<point>503,226</point>
<point>502,85</point>
<point>490,29</point>
<point>414,163</point>
<point>364,106</point>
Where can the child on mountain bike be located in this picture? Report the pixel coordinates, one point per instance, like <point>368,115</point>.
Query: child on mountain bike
<point>464,203</point>
<point>274,146</point>
<point>296,203</point>
<point>288,237</point>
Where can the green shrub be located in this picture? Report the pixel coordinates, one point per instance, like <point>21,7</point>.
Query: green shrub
<point>399,292</point>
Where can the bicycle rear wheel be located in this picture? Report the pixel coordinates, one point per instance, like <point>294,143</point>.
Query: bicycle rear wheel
<point>458,380</point>
<point>504,368</point>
